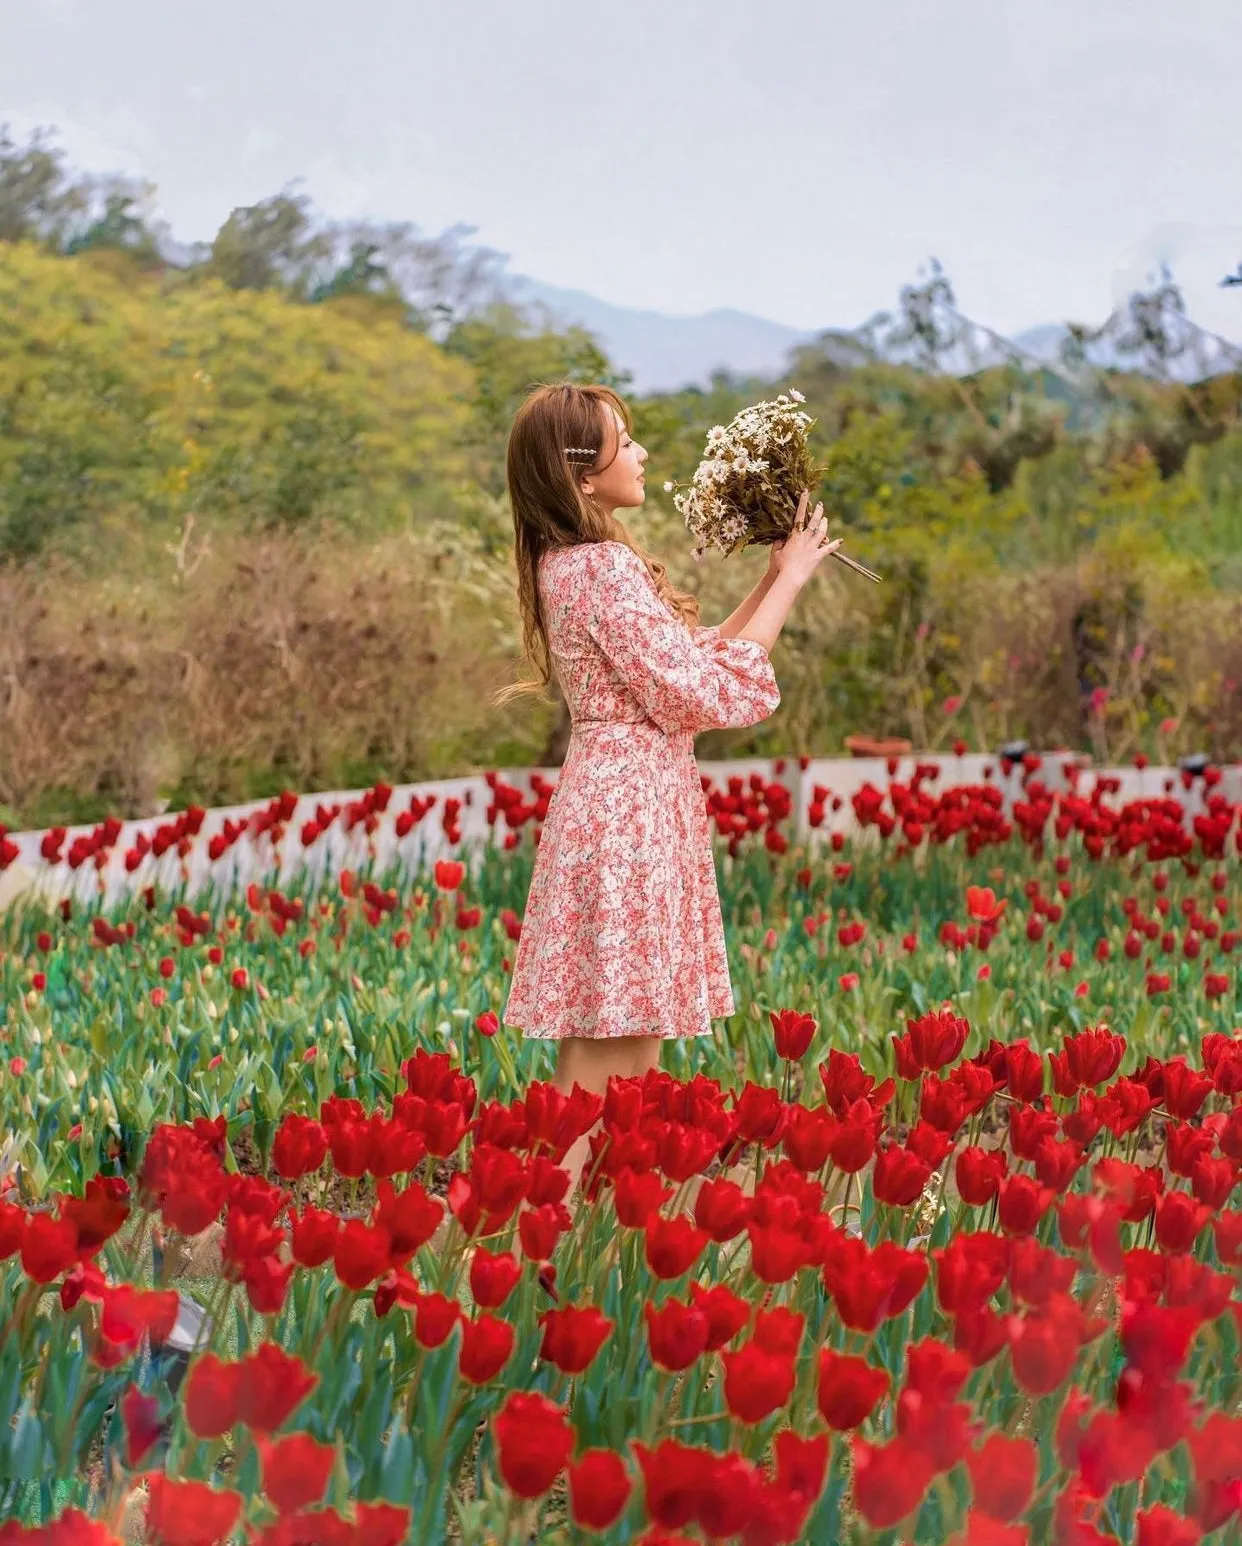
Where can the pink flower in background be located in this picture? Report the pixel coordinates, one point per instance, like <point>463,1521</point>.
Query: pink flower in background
<point>951,705</point>
<point>1099,701</point>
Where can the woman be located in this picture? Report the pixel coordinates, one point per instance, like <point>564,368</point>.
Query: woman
<point>622,943</point>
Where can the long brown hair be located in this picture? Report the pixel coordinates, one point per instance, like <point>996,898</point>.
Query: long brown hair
<point>550,509</point>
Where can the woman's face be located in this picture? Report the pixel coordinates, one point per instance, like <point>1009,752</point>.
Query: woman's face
<point>620,486</point>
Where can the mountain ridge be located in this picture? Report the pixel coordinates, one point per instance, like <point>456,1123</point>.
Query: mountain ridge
<point>665,352</point>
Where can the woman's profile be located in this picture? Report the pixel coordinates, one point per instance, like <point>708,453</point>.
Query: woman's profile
<point>622,943</point>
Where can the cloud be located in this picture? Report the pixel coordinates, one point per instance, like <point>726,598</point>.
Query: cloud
<point>116,140</point>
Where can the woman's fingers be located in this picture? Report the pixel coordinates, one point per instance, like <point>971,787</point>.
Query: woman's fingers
<point>802,504</point>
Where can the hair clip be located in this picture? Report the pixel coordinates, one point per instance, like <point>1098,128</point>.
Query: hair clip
<point>576,452</point>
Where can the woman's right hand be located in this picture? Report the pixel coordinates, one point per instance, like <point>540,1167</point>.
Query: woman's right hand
<point>807,545</point>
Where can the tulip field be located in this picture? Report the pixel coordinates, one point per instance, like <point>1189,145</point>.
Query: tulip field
<point>937,1240</point>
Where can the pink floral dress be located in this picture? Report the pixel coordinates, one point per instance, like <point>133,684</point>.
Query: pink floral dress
<point>623,934</point>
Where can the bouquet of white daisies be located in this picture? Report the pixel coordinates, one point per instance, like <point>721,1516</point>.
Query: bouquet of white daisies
<point>746,489</point>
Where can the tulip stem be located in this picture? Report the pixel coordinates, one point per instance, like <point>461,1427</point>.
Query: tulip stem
<point>687,1422</point>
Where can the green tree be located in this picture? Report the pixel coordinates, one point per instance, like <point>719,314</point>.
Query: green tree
<point>270,245</point>
<point>38,200</point>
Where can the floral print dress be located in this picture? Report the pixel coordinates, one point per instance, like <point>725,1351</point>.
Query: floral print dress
<point>623,934</point>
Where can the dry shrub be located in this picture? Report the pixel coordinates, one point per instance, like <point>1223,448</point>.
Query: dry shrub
<point>323,662</point>
<point>280,660</point>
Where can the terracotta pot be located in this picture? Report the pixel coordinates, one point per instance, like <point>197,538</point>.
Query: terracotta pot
<point>868,746</point>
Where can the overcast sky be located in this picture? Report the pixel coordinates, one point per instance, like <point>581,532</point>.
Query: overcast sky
<point>799,160</point>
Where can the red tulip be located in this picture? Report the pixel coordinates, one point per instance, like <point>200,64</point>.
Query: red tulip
<point>449,874</point>
<point>599,1489</point>
<point>435,1315</point>
<point>272,1384</point>
<point>1160,1526</point>
<point>890,1481</point>
<point>1156,1338</point>
<point>1093,1056</point>
<point>637,1195</point>
<point>777,1253</point>
<point>757,1382</point>
<point>131,1313</point>
<point>314,1235</point>
<point>673,1476</point>
<point>729,1495</point>
<point>539,1230</point>
<point>1002,1475</point>
<point>721,1209</point>
<point>849,1389</point>
<point>267,1282</point>
<point>760,1115</point>
<point>1227,1228</point>
<point>188,1513</point>
<point>49,1246</point>
<point>361,1254</point>
<point>801,1470</point>
<point>493,1277</point>
<point>1057,1162</point>
<point>1036,1273</point>
<point>779,1330</point>
<point>1023,1202</point>
<point>980,1335</point>
<point>486,1347</point>
<point>572,1337</point>
<point>981,904</point>
<point>295,1470</point>
<point>1185,1089</point>
<point>726,1313</point>
<point>807,1136</point>
<point>299,1147</point>
<point>533,1443</point>
<point>935,1372</point>
<point>1179,1221</point>
<point>410,1217</point>
<point>1212,1180</point>
<point>930,1043</point>
<point>142,1424</point>
<point>853,1144</point>
<point>676,1334</point>
<point>870,1286</point>
<point>1023,1071</point>
<point>793,1032</point>
<point>979,1173</point>
<point>1044,1344</point>
<point>673,1245</point>
<point>899,1177</point>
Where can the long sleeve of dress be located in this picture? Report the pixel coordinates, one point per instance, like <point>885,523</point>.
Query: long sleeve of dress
<point>683,681</point>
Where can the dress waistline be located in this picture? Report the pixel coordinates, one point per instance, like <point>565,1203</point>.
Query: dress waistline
<point>680,738</point>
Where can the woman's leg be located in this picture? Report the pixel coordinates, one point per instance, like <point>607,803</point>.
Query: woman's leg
<point>591,1063</point>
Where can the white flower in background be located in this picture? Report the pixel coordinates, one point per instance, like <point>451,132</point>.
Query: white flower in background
<point>796,395</point>
<point>668,487</point>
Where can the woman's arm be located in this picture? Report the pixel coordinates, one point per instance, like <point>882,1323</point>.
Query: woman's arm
<point>737,620</point>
